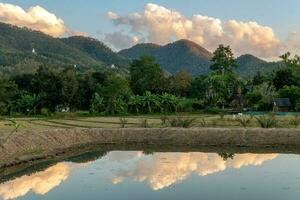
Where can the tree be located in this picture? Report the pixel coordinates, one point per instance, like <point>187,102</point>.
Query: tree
<point>222,88</point>
<point>27,103</point>
<point>181,83</point>
<point>8,90</point>
<point>293,93</point>
<point>285,77</point>
<point>70,88</point>
<point>261,96</point>
<point>146,75</point>
<point>223,60</point>
<point>115,90</point>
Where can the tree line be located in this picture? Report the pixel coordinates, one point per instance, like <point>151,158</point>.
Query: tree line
<point>147,88</point>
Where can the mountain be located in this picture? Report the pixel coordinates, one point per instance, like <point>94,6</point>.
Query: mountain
<point>96,50</point>
<point>185,54</point>
<point>173,57</point>
<point>249,65</point>
<point>24,50</point>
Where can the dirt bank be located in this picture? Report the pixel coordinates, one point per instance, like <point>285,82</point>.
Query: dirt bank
<point>32,145</point>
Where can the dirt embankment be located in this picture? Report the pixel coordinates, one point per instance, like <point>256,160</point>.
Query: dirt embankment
<point>21,147</point>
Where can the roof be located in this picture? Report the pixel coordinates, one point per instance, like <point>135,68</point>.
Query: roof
<point>282,102</point>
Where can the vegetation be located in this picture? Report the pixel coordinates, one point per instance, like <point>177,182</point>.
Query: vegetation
<point>267,121</point>
<point>60,86</point>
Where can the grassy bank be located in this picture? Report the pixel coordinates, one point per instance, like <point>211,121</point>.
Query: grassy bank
<point>69,121</point>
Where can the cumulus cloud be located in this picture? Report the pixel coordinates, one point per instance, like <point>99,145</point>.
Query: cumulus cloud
<point>36,18</point>
<point>165,169</point>
<point>162,25</point>
<point>40,183</point>
<point>119,40</point>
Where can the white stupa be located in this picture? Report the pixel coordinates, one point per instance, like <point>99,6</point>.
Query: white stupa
<point>33,51</point>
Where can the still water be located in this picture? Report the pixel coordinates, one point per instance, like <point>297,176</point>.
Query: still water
<point>138,175</point>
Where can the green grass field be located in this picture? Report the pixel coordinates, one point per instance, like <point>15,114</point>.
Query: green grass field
<point>201,120</point>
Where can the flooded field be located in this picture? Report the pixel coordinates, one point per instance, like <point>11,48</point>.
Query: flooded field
<point>150,175</point>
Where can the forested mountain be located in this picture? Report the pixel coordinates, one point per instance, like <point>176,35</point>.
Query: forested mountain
<point>185,54</point>
<point>97,50</point>
<point>24,50</point>
<point>249,65</point>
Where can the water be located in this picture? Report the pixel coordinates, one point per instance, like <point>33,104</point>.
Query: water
<point>136,175</point>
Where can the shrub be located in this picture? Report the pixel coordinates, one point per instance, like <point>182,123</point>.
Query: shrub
<point>123,122</point>
<point>203,123</point>
<point>45,112</point>
<point>295,121</point>
<point>181,122</point>
<point>267,121</point>
<point>243,120</point>
<point>144,123</point>
<point>164,120</point>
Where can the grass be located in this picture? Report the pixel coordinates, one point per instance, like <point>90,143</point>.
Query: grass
<point>200,120</point>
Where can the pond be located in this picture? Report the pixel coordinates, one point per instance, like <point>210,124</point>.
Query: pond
<point>150,175</point>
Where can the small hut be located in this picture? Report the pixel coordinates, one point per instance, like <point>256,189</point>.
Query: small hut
<point>282,104</point>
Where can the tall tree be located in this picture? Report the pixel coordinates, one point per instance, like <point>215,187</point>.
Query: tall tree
<point>223,60</point>
<point>181,83</point>
<point>146,75</point>
<point>8,90</point>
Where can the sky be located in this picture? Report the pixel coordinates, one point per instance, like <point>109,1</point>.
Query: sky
<point>265,28</point>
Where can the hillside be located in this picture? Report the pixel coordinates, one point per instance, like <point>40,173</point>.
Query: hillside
<point>185,54</point>
<point>17,44</point>
<point>173,57</point>
<point>96,50</point>
<point>23,50</point>
<point>250,65</point>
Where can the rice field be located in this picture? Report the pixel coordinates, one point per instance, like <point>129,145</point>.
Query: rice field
<point>155,121</point>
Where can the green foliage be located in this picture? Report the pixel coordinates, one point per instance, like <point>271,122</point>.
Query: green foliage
<point>146,75</point>
<point>261,97</point>
<point>97,104</point>
<point>293,93</point>
<point>8,90</point>
<point>27,103</point>
<point>267,121</point>
<point>13,123</point>
<point>223,60</point>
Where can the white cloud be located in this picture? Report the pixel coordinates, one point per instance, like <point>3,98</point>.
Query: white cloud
<point>119,40</point>
<point>162,25</point>
<point>36,18</point>
<point>162,170</point>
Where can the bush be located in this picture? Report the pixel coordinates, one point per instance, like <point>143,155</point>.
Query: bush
<point>123,122</point>
<point>45,112</point>
<point>203,123</point>
<point>164,120</point>
<point>181,122</point>
<point>267,121</point>
<point>295,121</point>
<point>243,120</point>
<point>212,110</point>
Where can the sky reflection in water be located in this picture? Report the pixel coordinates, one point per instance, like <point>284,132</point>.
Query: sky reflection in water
<point>124,175</point>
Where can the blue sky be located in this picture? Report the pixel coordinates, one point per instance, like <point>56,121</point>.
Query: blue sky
<point>282,16</point>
